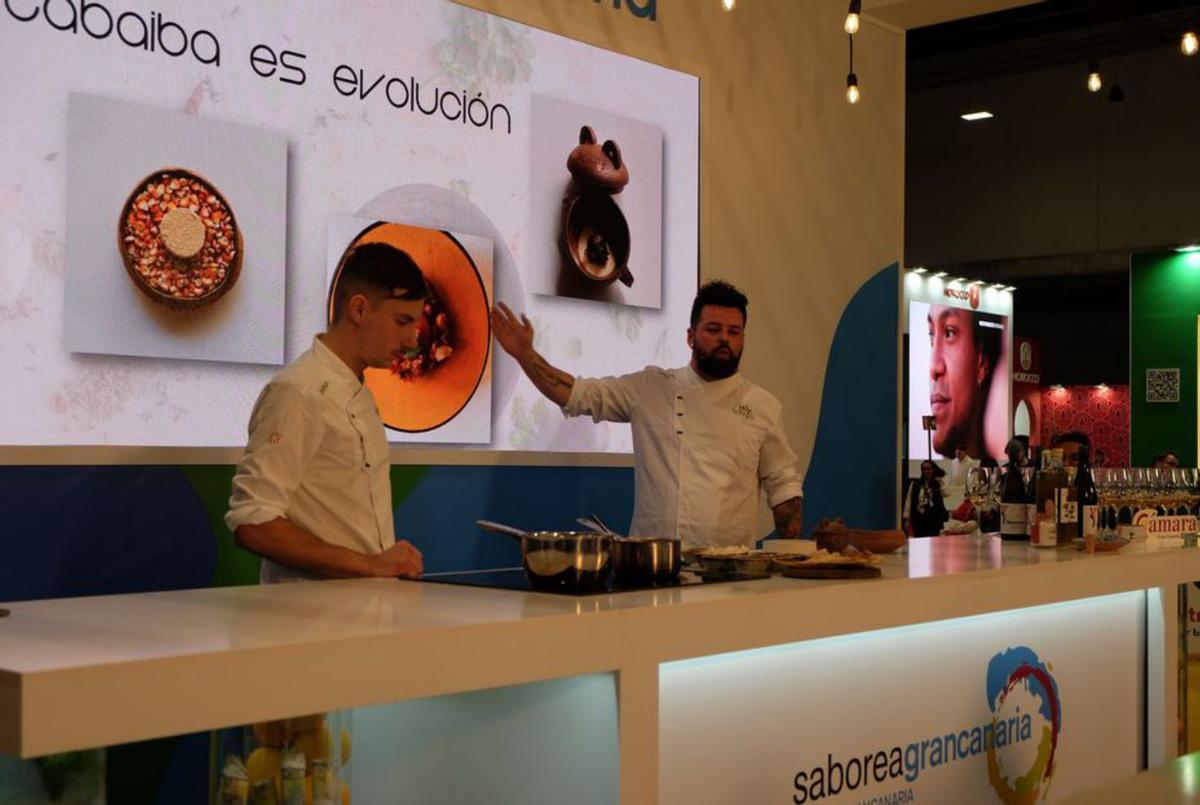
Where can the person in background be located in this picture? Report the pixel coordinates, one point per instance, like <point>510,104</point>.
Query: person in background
<point>1026,452</point>
<point>1100,459</point>
<point>312,494</point>
<point>1165,460</point>
<point>1070,442</point>
<point>960,465</point>
<point>924,508</point>
<point>707,442</point>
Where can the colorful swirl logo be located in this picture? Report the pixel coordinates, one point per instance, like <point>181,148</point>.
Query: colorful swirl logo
<point>1024,701</point>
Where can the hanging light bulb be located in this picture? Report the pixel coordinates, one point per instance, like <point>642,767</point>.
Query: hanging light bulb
<point>1094,84</point>
<point>852,93</point>
<point>1189,44</point>
<point>852,17</point>
<point>729,5</point>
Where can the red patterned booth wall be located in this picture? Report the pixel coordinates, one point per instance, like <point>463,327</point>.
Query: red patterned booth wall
<point>1101,413</point>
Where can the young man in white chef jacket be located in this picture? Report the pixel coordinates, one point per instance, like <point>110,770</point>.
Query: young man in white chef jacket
<point>312,493</point>
<point>706,441</point>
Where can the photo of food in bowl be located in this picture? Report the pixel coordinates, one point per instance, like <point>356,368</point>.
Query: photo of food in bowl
<point>435,341</point>
<point>176,235</point>
<point>440,391</point>
<point>179,239</point>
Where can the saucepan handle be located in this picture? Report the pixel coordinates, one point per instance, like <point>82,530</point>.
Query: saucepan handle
<point>500,528</point>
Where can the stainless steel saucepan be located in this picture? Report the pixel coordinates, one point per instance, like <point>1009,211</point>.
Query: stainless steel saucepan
<point>571,561</point>
<point>640,561</point>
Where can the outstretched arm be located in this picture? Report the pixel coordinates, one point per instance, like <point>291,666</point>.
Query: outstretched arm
<point>516,338</point>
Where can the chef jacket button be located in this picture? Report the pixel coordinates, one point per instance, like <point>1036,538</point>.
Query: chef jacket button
<point>353,416</point>
<point>679,432</point>
<point>367,465</point>
<point>679,413</point>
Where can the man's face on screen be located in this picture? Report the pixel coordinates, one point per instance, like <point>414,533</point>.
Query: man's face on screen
<point>957,376</point>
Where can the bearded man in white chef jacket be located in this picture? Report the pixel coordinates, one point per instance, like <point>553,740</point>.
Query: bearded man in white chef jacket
<point>312,493</point>
<point>707,442</point>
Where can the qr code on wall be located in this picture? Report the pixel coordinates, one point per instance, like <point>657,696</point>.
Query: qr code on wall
<point>1162,385</point>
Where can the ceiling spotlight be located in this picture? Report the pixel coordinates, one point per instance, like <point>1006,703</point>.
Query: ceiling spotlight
<point>852,17</point>
<point>1011,288</point>
<point>982,114</point>
<point>998,286</point>
<point>1189,44</point>
<point>939,275</point>
<point>1101,387</point>
<point>917,270</point>
<point>1094,84</point>
<point>1188,249</point>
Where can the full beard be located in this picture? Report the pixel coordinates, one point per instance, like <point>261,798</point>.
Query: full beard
<point>716,366</point>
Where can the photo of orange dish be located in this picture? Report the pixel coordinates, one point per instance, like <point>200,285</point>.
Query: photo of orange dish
<point>458,331</point>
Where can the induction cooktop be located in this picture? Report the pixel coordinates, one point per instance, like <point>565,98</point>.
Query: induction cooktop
<point>514,578</point>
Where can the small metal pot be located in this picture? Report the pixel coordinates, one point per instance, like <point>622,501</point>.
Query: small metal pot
<point>640,561</point>
<point>646,561</point>
<point>563,561</point>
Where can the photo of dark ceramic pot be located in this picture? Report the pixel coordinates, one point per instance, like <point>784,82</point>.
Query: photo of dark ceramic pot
<point>595,235</point>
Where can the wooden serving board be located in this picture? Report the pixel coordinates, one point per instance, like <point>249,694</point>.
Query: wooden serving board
<point>834,572</point>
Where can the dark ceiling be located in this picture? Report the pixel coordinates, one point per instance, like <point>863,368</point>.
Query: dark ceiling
<point>1076,304</point>
<point>1042,35</point>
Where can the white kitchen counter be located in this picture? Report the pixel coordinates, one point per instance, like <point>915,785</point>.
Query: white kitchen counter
<point>87,672</point>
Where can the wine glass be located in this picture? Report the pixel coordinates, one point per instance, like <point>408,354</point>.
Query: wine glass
<point>978,484</point>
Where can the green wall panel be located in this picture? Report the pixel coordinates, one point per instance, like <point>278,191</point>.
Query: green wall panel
<point>1164,306</point>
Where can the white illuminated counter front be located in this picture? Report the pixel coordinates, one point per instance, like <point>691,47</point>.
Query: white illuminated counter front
<point>923,684</point>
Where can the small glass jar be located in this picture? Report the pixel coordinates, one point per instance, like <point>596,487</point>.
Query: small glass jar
<point>295,758</point>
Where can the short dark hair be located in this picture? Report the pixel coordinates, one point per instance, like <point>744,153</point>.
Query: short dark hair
<point>989,336</point>
<point>377,271</point>
<point>718,293</point>
<point>1070,436</point>
<point>1162,456</point>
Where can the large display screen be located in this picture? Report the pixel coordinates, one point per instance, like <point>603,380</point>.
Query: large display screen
<point>179,183</point>
<point>958,374</point>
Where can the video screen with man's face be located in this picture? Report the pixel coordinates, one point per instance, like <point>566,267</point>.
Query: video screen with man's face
<point>958,375</point>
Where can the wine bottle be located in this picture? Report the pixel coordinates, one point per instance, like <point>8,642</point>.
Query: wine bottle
<point>1012,496</point>
<point>1031,481</point>
<point>1049,480</point>
<point>1088,500</point>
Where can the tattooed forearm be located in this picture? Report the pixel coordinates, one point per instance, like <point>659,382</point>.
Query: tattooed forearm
<point>550,380</point>
<point>787,518</point>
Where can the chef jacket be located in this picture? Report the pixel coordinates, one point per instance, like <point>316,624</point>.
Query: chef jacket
<point>703,450</point>
<point>956,471</point>
<point>317,455</point>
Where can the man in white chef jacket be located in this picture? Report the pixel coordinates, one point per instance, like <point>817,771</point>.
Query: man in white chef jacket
<point>958,467</point>
<point>707,442</point>
<point>312,493</point>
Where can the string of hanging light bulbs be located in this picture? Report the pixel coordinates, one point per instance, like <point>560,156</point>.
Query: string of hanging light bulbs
<point>853,15</point>
<point>1189,45</point>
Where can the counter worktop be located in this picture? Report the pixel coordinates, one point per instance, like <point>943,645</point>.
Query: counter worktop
<point>96,671</point>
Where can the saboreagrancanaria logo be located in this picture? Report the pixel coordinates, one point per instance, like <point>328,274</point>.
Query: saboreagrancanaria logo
<point>1015,679</point>
<point>1023,698</point>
